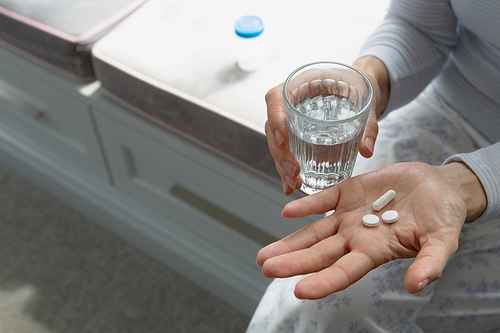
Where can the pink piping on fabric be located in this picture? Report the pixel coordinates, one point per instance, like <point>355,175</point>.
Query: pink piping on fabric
<point>34,59</point>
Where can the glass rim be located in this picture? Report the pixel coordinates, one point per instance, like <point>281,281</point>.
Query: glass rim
<point>331,121</point>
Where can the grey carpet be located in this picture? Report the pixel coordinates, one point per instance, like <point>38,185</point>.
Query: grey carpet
<point>61,273</point>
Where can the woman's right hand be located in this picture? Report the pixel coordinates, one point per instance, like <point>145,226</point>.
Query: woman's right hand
<point>276,128</point>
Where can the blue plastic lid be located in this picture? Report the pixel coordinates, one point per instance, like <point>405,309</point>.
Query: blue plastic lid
<point>249,26</point>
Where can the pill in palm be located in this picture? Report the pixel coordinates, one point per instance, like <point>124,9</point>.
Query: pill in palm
<point>390,216</point>
<point>370,220</point>
<point>384,200</point>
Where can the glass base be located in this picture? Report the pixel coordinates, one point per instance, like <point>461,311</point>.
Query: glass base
<point>316,182</point>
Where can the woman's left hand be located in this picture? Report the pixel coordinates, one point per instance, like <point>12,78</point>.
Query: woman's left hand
<point>341,250</point>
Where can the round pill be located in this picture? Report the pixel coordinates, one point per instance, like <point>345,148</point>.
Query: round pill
<point>370,220</point>
<point>390,216</point>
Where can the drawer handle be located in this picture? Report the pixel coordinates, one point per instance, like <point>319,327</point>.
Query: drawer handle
<point>221,215</point>
<point>13,98</point>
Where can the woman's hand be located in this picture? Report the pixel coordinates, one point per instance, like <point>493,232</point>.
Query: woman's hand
<point>433,204</point>
<point>277,134</point>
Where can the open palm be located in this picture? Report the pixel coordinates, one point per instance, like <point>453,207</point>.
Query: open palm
<point>341,250</point>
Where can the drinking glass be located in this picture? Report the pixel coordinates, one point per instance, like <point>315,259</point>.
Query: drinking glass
<point>327,106</point>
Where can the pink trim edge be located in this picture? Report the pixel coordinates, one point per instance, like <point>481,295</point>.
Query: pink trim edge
<point>44,64</point>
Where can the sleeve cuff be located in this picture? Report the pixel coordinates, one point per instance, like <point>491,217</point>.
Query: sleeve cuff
<point>486,165</point>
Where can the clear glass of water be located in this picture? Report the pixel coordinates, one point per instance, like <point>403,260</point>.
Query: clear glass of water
<point>327,106</point>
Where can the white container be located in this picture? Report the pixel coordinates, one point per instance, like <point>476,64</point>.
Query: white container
<point>251,53</point>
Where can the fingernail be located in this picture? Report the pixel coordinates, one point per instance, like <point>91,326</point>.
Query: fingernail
<point>370,144</point>
<point>291,181</point>
<point>279,137</point>
<point>290,168</point>
<point>422,285</point>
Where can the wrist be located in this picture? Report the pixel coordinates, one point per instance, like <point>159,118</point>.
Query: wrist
<point>465,182</point>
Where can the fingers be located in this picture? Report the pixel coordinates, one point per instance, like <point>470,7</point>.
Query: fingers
<point>318,203</point>
<point>429,265</point>
<point>313,259</point>
<point>290,184</point>
<point>286,165</point>
<point>370,135</point>
<point>277,139</point>
<point>299,240</point>
<point>347,270</point>
<point>276,129</point>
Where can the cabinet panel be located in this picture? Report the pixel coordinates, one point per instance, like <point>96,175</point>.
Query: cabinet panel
<point>44,118</point>
<point>204,199</point>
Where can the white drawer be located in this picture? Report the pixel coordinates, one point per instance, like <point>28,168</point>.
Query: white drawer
<point>205,195</point>
<point>56,125</point>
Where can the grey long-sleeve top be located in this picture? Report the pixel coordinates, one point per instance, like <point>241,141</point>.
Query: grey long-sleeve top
<point>456,45</point>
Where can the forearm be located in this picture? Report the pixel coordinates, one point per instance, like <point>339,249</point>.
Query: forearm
<point>465,182</point>
<point>412,46</point>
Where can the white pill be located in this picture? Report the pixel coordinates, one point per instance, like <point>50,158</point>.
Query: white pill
<point>370,220</point>
<point>390,216</point>
<point>384,200</point>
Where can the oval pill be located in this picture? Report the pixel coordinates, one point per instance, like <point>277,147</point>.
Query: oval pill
<point>390,216</point>
<point>384,200</point>
<point>370,220</point>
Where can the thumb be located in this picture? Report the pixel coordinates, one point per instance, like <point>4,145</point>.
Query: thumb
<point>370,135</point>
<point>428,265</point>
